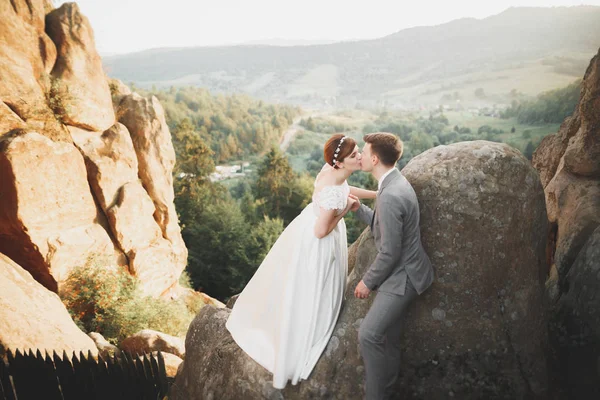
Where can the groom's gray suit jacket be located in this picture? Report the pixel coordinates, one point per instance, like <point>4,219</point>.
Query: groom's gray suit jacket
<point>395,227</point>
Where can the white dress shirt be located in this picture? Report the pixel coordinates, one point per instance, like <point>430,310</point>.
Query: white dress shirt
<point>383,177</point>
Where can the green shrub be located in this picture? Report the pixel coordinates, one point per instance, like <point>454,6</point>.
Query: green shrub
<point>109,301</point>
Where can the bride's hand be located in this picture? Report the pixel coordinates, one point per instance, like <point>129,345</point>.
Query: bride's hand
<point>353,203</point>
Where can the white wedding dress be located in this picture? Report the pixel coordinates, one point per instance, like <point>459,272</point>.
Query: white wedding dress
<point>285,315</point>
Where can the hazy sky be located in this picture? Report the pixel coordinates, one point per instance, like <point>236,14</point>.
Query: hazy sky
<point>123,26</point>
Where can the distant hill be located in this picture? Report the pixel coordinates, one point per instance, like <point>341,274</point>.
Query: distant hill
<point>475,61</point>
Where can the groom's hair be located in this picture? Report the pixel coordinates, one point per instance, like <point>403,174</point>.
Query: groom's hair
<point>386,146</point>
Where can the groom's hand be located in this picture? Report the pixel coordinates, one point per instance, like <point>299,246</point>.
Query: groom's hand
<point>361,291</point>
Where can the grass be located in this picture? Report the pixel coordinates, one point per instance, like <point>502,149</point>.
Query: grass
<point>305,142</point>
<point>519,137</point>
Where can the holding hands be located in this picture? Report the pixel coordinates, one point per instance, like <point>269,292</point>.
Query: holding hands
<point>353,203</point>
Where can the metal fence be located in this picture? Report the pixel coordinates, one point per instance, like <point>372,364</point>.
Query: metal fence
<point>33,376</point>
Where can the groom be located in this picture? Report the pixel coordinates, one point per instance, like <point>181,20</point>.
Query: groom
<point>401,270</point>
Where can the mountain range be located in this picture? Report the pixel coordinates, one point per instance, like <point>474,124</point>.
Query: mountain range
<point>476,61</point>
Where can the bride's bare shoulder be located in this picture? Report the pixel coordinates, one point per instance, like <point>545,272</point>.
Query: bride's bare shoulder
<point>325,178</point>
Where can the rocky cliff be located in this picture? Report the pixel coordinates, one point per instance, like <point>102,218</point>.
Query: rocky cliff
<point>83,172</point>
<point>569,165</point>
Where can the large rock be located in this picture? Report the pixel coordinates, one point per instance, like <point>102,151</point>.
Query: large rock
<point>145,120</point>
<point>9,120</point>
<point>32,317</point>
<point>172,363</point>
<point>484,226</point>
<point>569,163</point>
<point>148,341</point>
<point>575,325</point>
<point>49,222</point>
<point>27,55</point>
<point>80,87</point>
<point>216,368</point>
<point>112,168</point>
<point>478,332</point>
<point>105,348</point>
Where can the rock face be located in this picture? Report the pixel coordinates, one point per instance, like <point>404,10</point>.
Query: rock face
<point>56,211</point>
<point>37,318</point>
<point>576,324</point>
<point>484,226</point>
<point>49,222</point>
<point>27,56</point>
<point>478,332</point>
<point>172,363</point>
<point>145,120</point>
<point>147,341</point>
<point>112,170</point>
<point>569,163</point>
<point>79,84</point>
<point>105,348</point>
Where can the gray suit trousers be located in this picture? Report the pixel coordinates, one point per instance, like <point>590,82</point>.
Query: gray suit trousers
<point>379,338</point>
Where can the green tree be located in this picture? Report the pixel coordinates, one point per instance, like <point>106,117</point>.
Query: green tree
<point>280,192</point>
<point>529,149</point>
<point>193,156</point>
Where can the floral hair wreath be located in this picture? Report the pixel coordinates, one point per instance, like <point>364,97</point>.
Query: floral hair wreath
<point>337,150</point>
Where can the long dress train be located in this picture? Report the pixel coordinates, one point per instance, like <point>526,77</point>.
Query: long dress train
<point>285,315</point>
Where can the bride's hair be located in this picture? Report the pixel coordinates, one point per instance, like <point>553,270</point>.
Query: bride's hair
<point>337,148</point>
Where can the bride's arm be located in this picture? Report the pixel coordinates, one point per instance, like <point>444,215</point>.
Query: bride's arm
<point>363,193</point>
<point>327,220</point>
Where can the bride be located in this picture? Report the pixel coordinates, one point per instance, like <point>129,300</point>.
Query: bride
<point>285,315</point>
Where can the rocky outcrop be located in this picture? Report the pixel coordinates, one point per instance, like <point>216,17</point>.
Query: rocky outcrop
<point>112,168</point>
<point>80,87</point>
<point>27,56</point>
<point>33,317</point>
<point>484,227</point>
<point>191,298</point>
<point>49,222</point>
<point>105,348</point>
<point>478,332</point>
<point>55,216</point>
<point>9,120</point>
<point>172,363</point>
<point>569,163</point>
<point>145,120</point>
<point>147,341</point>
<point>575,324</point>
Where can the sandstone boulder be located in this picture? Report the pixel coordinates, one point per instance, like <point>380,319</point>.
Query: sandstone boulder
<point>32,317</point>
<point>172,363</point>
<point>147,341</point>
<point>80,87</point>
<point>478,332</point>
<point>105,348</point>
<point>192,298</point>
<point>27,56</point>
<point>49,222</point>
<point>112,169</point>
<point>145,120</point>
<point>9,120</point>
<point>569,163</point>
